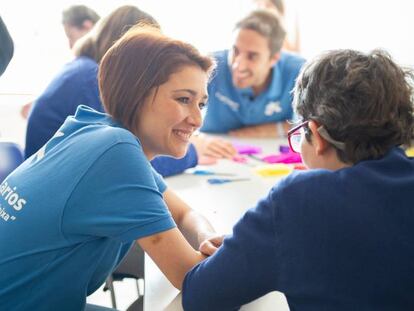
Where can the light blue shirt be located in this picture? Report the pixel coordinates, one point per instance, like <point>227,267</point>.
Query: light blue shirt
<point>230,108</point>
<point>70,212</point>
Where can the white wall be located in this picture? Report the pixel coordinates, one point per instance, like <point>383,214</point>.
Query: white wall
<point>358,24</point>
<point>41,47</point>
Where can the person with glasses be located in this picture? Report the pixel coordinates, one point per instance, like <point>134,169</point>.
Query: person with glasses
<point>339,236</point>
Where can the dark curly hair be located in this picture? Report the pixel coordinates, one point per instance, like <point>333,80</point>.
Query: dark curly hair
<point>363,100</point>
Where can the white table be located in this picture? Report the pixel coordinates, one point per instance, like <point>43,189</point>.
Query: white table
<point>223,205</point>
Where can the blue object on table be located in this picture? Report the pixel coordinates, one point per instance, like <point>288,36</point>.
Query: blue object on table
<point>219,181</point>
<point>208,173</point>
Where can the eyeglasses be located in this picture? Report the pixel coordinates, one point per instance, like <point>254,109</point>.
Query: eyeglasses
<point>295,136</point>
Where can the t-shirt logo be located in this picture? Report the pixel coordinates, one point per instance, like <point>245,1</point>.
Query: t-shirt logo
<point>272,107</point>
<point>227,101</point>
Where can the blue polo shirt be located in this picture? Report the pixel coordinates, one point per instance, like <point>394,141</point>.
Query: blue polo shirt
<point>230,108</point>
<point>70,212</point>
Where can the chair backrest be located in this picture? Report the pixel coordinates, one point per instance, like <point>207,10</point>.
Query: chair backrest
<point>11,156</point>
<point>132,266</point>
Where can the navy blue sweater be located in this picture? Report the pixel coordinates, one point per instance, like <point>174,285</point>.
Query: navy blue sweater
<point>329,240</point>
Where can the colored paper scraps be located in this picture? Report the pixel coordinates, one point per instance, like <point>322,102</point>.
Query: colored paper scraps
<point>247,149</point>
<point>286,158</point>
<point>269,170</point>
<point>240,159</point>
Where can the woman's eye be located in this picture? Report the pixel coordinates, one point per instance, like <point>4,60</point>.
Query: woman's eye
<point>202,105</point>
<point>184,100</point>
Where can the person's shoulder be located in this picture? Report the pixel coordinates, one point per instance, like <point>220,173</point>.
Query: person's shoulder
<point>221,73</point>
<point>98,128</point>
<point>291,57</point>
<point>73,73</point>
<point>301,183</point>
<point>291,61</point>
<point>220,57</point>
<point>83,64</point>
<point>113,135</point>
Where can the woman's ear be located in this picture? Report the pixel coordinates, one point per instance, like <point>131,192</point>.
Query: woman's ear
<point>320,144</point>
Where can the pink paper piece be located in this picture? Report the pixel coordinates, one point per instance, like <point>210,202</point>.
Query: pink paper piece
<point>286,158</point>
<point>247,149</point>
<point>239,159</point>
<point>205,160</point>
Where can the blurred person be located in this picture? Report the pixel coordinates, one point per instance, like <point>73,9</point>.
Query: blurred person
<point>74,208</point>
<point>340,235</point>
<point>250,92</point>
<point>77,21</point>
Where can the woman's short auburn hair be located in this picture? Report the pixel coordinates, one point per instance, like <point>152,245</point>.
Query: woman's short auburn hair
<point>142,59</point>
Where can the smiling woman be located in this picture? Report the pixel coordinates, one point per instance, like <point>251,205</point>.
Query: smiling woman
<point>172,112</point>
<point>124,93</point>
<point>153,88</point>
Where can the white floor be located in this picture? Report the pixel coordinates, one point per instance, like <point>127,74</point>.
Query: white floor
<point>125,294</point>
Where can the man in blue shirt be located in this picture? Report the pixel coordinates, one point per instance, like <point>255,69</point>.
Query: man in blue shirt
<point>338,236</point>
<point>250,93</point>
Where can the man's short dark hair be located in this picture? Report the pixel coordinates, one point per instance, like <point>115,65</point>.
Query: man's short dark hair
<point>76,15</point>
<point>268,24</point>
<point>363,100</point>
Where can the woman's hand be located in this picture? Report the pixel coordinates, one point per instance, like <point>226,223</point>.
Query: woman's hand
<point>209,246</point>
<point>213,147</point>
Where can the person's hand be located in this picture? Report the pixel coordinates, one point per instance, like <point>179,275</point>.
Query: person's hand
<point>214,147</point>
<point>25,110</point>
<point>209,246</point>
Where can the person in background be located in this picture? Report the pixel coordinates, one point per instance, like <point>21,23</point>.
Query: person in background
<point>77,84</point>
<point>6,47</point>
<point>75,208</point>
<point>292,40</point>
<point>340,235</point>
<point>77,21</point>
<point>250,93</point>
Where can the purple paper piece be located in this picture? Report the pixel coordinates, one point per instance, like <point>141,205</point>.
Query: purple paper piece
<point>284,149</point>
<point>286,158</point>
<point>247,149</point>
